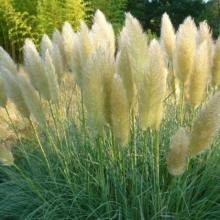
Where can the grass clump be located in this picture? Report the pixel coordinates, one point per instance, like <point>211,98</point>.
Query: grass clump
<point>109,137</point>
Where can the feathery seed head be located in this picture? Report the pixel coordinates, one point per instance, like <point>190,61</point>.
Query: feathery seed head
<point>103,32</point>
<point>7,62</point>
<point>31,100</point>
<point>178,153</point>
<point>135,41</point>
<point>205,126</point>
<point>185,49</point>
<point>46,44</point>
<point>52,78</point>
<point>199,76</point>
<point>168,37</point>
<point>68,42</point>
<point>57,39</point>
<point>13,91</point>
<point>84,47</point>
<point>93,93</point>
<point>35,69</point>
<point>124,69</point>
<point>119,111</point>
<point>57,62</point>
<point>205,34</point>
<point>153,89</point>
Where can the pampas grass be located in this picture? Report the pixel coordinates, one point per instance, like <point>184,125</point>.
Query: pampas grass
<point>119,111</point>
<point>35,69</point>
<point>32,100</point>
<point>200,75</point>
<point>185,49</point>
<point>108,135</point>
<point>135,40</point>
<point>94,96</point>
<point>178,153</point>
<point>153,89</point>
<point>13,91</point>
<point>168,37</point>
<point>103,32</point>
<point>205,126</point>
<point>6,62</point>
<point>51,77</point>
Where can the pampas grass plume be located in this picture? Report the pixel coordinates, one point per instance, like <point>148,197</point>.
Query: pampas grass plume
<point>13,91</point>
<point>103,32</point>
<point>35,69</point>
<point>185,49</point>
<point>46,44</point>
<point>124,67</point>
<point>52,78</point>
<point>205,34</point>
<point>178,153</point>
<point>199,76</point>
<point>57,39</point>
<point>167,36</point>
<point>135,40</point>
<point>84,47</point>
<point>68,42</point>
<point>93,94</point>
<point>7,62</point>
<point>153,89</point>
<point>32,100</point>
<point>216,64</point>
<point>205,126</point>
<point>119,111</point>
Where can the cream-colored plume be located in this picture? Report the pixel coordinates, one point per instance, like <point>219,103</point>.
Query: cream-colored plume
<point>119,111</point>
<point>124,69</point>
<point>199,76</point>
<point>6,156</point>
<point>135,41</point>
<point>35,69</point>
<point>7,62</point>
<point>46,44</point>
<point>57,62</point>
<point>3,96</point>
<point>168,37</point>
<point>32,100</point>
<point>205,126</point>
<point>178,153</point>
<point>185,49</point>
<point>93,93</point>
<point>84,47</point>
<point>13,91</point>
<point>103,32</point>
<point>52,78</point>
<point>216,64</point>
<point>153,89</point>
<point>205,34</point>
<point>57,39</point>
<point>68,42</point>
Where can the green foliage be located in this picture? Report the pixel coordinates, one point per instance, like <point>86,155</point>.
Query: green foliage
<point>52,14</point>
<point>100,179</point>
<point>113,9</point>
<point>15,27</point>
